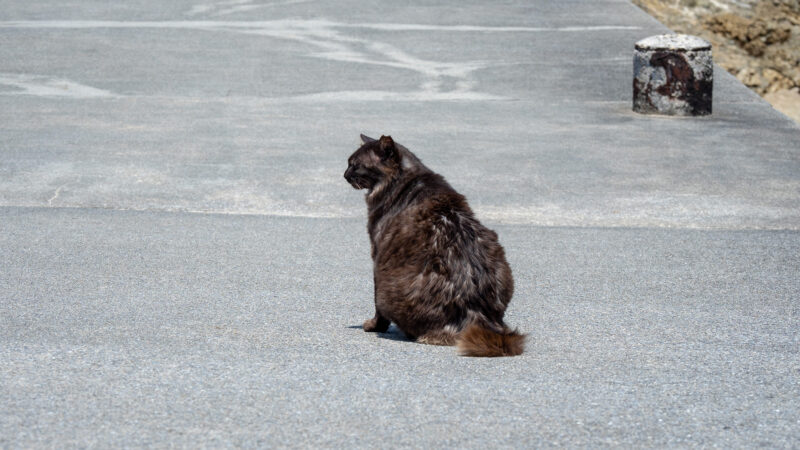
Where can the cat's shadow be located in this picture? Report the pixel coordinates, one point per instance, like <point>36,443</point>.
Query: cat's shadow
<point>393,333</point>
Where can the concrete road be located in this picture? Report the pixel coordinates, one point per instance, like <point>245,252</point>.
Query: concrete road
<point>183,264</point>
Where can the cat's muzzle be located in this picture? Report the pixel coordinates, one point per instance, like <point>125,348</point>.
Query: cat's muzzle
<point>351,178</point>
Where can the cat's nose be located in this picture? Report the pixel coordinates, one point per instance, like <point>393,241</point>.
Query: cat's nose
<point>348,172</point>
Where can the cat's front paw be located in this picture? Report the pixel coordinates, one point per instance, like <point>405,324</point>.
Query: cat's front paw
<point>376,325</point>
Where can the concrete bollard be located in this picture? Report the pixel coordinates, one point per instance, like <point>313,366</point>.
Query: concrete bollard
<point>673,74</point>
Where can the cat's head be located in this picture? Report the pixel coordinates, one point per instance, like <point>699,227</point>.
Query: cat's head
<point>375,161</point>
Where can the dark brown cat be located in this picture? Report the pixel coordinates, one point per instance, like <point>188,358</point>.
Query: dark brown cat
<point>439,274</point>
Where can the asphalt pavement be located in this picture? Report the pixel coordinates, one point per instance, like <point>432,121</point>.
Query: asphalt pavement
<point>182,263</point>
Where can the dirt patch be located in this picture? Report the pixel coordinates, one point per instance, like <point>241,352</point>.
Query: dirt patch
<point>758,41</point>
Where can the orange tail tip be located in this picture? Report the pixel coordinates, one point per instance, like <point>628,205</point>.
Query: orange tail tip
<point>478,341</point>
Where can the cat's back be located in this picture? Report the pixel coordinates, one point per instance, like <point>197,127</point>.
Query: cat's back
<point>429,199</point>
<point>434,218</point>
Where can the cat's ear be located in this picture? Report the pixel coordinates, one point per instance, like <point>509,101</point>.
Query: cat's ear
<point>387,149</point>
<point>366,139</point>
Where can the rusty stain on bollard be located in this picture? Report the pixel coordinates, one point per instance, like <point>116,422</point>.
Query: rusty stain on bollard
<point>673,74</point>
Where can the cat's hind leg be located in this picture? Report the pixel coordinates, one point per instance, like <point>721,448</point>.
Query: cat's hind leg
<point>443,336</point>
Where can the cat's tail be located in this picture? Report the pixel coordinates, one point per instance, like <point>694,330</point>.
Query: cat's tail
<point>478,340</point>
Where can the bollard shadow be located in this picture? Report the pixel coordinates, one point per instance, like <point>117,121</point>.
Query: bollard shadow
<point>393,333</point>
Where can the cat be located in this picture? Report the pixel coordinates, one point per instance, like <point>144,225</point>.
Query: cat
<point>439,275</point>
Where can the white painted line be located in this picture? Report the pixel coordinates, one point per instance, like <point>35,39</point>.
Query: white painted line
<point>44,86</point>
<point>282,24</point>
<point>443,80</point>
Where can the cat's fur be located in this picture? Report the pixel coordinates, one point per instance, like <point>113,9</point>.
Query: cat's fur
<point>439,274</point>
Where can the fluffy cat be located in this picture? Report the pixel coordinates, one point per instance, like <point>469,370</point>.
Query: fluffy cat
<point>439,274</point>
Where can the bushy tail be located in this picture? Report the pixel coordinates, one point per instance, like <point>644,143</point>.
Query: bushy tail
<point>476,340</point>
